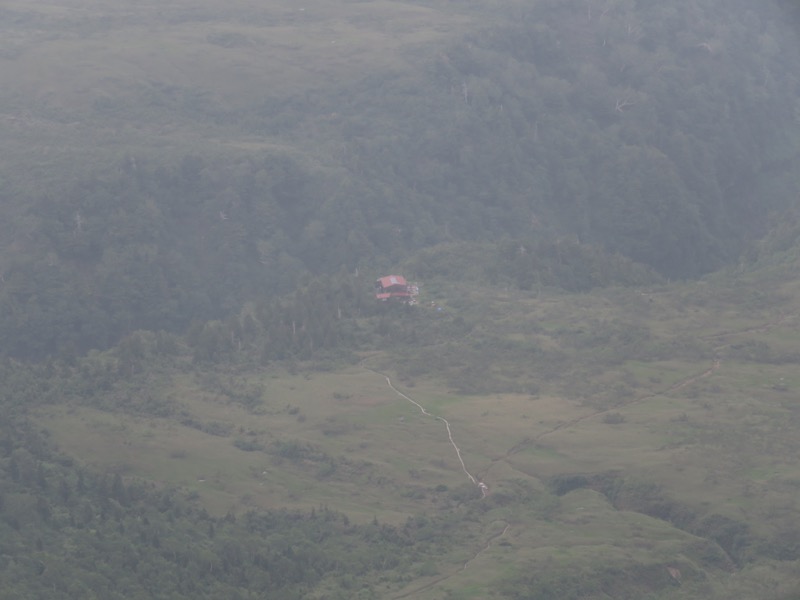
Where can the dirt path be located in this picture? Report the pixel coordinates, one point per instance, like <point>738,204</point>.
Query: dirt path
<point>478,480</point>
<point>487,546</point>
<point>442,578</point>
<point>517,448</point>
<point>675,387</point>
<point>754,329</point>
<point>532,440</point>
<point>424,411</point>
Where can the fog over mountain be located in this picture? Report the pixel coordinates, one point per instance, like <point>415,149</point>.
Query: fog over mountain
<point>597,198</point>
<point>171,162</point>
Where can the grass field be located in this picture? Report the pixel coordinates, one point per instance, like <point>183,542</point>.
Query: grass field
<point>93,81</point>
<point>692,442</point>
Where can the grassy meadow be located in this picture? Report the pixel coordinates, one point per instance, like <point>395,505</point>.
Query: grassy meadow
<point>650,462</point>
<point>94,81</point>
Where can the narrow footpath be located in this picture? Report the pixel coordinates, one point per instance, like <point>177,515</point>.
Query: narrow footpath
<point>416,590</point>
<point>483,487</point>
<point>480,484</point>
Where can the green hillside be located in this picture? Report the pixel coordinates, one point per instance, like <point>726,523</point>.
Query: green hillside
<point>634,441</point>
<point>170,162</point>
<point>594,398</point>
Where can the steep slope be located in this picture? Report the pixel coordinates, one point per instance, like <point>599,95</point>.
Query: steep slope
<point>171,163</point>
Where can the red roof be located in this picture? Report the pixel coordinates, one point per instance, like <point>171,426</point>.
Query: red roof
<point>391,280</point>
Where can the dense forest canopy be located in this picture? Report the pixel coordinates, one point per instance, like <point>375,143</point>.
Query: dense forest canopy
<point>667,134</point>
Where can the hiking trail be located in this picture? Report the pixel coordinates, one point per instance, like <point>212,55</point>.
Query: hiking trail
<point>483,487</point>
<point>424,411</point>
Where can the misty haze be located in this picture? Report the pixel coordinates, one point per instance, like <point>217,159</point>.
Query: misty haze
<point>400,299</point>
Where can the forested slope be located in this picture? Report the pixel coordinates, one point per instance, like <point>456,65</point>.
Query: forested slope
<point>68,532</point>
<point>145,188</point>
